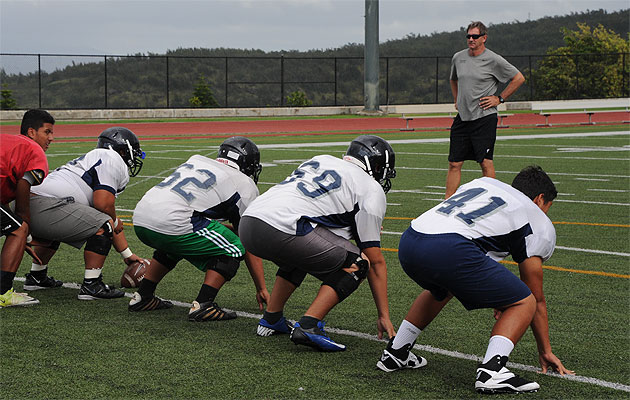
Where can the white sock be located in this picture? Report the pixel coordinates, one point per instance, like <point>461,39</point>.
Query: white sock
<point>92,273</point>
<point>407,333</point>
<point>498,345</point>
<point>37,267</point>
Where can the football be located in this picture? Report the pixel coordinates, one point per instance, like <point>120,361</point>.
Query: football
<point>133,274</point>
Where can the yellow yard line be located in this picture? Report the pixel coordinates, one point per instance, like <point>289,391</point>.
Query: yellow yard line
<point>577,271</point>
<point>591,224</point>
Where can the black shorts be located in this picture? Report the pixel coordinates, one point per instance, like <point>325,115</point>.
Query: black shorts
<point>9,220</point>
<point>473,140</point>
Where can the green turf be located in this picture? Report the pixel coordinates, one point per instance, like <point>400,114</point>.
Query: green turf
<point>65,348</point>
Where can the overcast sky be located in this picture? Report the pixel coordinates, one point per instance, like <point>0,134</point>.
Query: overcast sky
<point>121,27</point>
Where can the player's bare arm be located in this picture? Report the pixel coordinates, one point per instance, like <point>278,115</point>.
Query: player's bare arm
<point>105,202</point>
<point>377,278</point>
<point>493,101</point>
<point>454,91</point>
<point>531,273</point>
<point>255,267</point>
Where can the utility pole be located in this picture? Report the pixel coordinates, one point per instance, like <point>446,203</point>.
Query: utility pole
<point>371,59</point>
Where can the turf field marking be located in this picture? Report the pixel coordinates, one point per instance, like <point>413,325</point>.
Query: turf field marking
<point>592,179</point>
<point>609,190</point>
<point>425,348</point>
<point>603,203</point>
<point>516,172</point>
<point>578,271</point>
<point>551,267</point>
<point>526,157</point>
<point>554,222</point>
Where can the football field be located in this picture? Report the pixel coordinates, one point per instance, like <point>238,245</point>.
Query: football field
<point>66,348</point>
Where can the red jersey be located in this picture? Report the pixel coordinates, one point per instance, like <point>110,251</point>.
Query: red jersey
<point>18,155</point>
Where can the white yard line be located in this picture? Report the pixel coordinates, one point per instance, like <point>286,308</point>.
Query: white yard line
<point>424,348</point>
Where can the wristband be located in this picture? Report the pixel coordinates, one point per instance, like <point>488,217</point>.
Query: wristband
<point>29,238</point>
<point>126,253</point>
<point>116,223</point>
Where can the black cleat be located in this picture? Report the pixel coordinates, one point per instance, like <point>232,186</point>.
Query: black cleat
<point>48,282</point>
<point>98,290</point>
<point>493,377</point>
<point>394,360</point>
<point>137,303</point>
<point>209,311</point>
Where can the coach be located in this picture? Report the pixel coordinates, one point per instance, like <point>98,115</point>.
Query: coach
<point>475,75</point>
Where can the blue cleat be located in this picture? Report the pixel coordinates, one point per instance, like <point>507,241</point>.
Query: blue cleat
<point>266,329</point>
<point>315,337</point>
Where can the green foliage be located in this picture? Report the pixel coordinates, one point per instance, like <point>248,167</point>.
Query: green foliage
<point>7,102</point>
<point>203,96</point>
<point>298,99</point>
<point>597,72</point>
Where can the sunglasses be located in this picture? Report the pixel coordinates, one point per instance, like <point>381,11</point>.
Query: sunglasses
<point>474,36</point>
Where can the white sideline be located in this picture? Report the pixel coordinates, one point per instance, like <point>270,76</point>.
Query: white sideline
<point>426,348</point>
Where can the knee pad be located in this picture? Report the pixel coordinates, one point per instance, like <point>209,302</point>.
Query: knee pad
<point>344,283</point>
<point>226,266</point>
<point>99,244</point>
<point>164,259</point>
<point>295,276</point>
<point>109,229</point>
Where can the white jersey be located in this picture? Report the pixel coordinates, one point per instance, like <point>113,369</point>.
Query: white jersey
<point>501,220</point>
<point>326,191</point>
<point>99,169</point>
<point>199,190</point>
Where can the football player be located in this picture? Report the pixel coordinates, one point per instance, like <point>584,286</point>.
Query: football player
<point>77,205</point>
<point>181,219</point>
<point>453,250</point>
<point>22,164</point>
<point>304,225</point>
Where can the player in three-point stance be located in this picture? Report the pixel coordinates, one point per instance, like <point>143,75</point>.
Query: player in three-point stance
<point>304,225</point>
<point>76,205</point>
<point>180,218</point>
<point>453,250</point>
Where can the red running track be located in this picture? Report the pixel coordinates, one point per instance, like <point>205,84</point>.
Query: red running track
<point>265,127</point>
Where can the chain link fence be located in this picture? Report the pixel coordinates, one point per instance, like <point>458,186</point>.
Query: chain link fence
<point>136,82</point>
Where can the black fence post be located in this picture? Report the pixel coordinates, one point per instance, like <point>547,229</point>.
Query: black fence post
<point>226,81</point>
<point>577,77</point>
<point>387,80</point>
<point>335,81</point>
<point>39,78</point>
<point>623,74</point>
<point>531,82</point>
<point>168,102</point>
<point>282,80</point>
<point>437,78</point>
<point>105,66</point>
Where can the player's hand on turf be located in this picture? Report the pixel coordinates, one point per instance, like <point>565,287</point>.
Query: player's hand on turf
<point>385,325</point>
<point>549,361</point>
<point>132,259</point>
<point>262,297</point>
<point>497,314</point>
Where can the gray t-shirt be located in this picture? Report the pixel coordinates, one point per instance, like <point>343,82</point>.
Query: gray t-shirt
<point>478,77</point>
